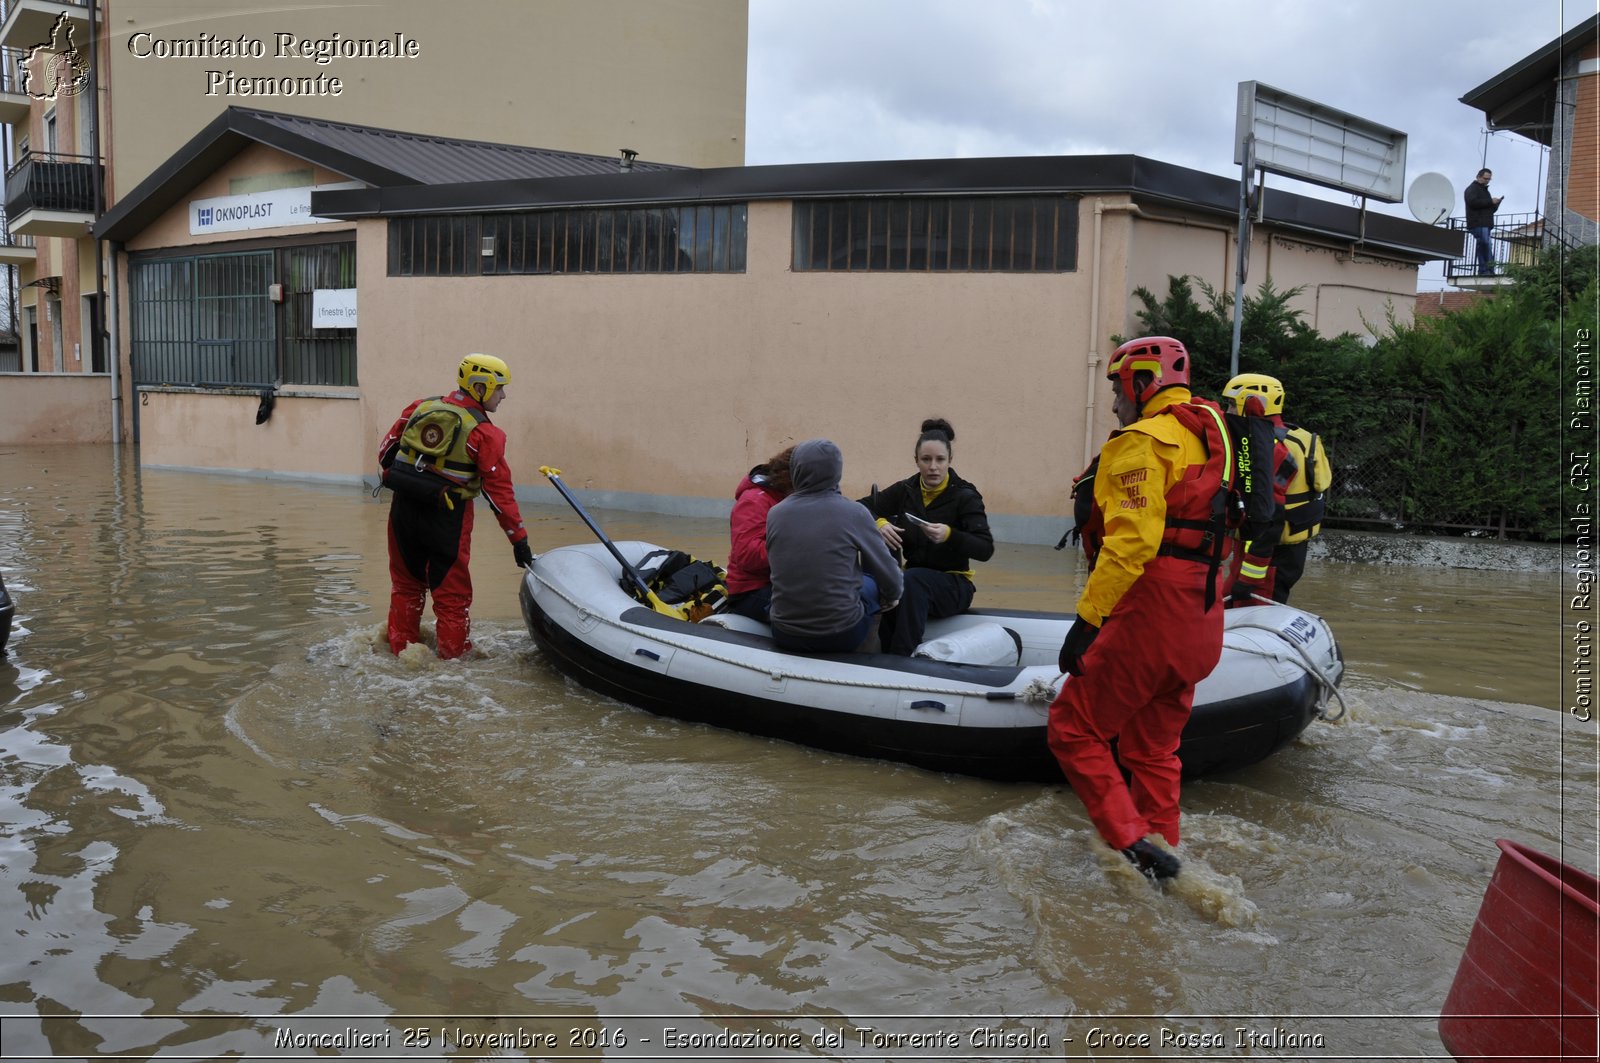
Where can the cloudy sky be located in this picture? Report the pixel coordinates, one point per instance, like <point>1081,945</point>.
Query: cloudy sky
<point>838,80</point>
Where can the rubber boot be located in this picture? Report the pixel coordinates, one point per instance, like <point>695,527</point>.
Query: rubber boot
<point>405,620</point>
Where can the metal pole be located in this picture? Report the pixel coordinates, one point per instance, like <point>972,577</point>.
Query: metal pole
<point>1242,267</point>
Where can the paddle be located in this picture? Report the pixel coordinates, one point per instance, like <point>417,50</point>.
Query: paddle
<point>639,587</point>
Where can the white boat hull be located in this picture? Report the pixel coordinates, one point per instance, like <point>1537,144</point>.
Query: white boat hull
<point>1277,668</point>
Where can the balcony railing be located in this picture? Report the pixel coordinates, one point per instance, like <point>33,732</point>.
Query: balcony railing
<point>62,183</point>
<point>1517,240</point>
<point>10,239</point>
<point>11,73</point>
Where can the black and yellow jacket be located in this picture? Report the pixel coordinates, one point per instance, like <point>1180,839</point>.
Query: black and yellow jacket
<point>959,505</point>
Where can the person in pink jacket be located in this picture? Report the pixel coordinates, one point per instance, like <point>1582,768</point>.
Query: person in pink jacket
<point>749,574</point>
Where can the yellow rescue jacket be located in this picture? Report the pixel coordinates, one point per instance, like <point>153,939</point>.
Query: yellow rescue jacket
<point>1305,502</point>
<point>1157,489</point>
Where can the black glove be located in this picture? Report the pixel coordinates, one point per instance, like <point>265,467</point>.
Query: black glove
<point>523,553</point>
<point>1076,645</point>
<point>1244,593</point>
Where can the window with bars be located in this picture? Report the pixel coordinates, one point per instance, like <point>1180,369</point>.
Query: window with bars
<point>951,234</point>
<point>706,238</point>
<point>208,320</point>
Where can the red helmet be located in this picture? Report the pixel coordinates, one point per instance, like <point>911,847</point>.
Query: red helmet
<point>1163,357</point>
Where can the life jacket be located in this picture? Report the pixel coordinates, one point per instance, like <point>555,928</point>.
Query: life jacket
<point>1202,507</point>
<point>1255,456</point>
<point>1305,502</point>
<point>431,456</point>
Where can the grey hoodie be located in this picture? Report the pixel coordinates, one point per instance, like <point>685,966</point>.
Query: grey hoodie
<point>819,542</point>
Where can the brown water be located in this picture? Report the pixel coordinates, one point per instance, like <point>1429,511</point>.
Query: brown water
<point>231,826</point>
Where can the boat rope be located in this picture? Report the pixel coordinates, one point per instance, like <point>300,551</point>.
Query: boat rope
<point>1037,691</point>
<point>1327,685</point>
<point>1042,689</point>
<point>699,647</point>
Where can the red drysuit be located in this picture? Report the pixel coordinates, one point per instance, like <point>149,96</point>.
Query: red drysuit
<point>1147,591</point>
<point>430,547</point>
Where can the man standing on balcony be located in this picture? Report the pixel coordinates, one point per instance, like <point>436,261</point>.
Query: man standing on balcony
<point>1480,219</point>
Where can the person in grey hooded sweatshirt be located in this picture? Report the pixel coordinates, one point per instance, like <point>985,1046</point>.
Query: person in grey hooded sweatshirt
<point>830,567</point>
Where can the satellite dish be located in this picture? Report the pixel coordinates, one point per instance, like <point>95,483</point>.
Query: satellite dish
<point>1431,198</point>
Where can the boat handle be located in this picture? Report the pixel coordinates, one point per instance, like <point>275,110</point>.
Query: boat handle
<point>652,654</point>
<point>928,705</point>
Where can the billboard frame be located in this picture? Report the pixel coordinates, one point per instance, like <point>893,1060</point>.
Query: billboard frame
<point>1309,141</point>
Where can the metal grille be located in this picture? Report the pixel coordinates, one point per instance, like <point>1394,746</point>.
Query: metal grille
<point>676,239</point>
<point>974,234</point>
<point>316,355</point>
<point>207,320</point>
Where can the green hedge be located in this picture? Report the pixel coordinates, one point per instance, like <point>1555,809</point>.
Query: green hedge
<point>1448,424</point>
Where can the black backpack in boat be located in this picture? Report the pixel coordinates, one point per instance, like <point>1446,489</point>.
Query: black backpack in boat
<point>693,588</point>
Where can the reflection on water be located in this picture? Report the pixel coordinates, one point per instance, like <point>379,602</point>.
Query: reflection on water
<point>231,822</point>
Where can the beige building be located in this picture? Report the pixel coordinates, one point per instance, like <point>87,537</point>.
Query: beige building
<point>664,78</point>
<point>671,316</point>
<point>669,327</point>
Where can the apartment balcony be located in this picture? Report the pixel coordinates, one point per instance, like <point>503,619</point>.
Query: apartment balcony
<point>29,22</point>
<point>53,195</point>
<point>15,106</point>
<point>1516,240</point>
<point>16,250</point>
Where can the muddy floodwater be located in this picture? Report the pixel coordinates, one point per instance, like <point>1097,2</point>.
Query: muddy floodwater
<point>232,825</point>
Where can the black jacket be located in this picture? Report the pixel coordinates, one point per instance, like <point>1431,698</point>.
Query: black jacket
<point>958,505</point>
<point>1480,206</point>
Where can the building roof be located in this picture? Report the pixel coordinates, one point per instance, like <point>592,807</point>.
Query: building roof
<point>409,173</point>
<point>1150,183</point>
<point>1522,97</point>
<point>374,156</point>
<point>1444,303</point>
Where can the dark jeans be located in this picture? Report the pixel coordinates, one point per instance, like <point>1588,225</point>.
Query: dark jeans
<point>928,594</point>
<point>1289,564</point>
<point>1481,234</point>
<point>756,604</point>
<point>846,641</point>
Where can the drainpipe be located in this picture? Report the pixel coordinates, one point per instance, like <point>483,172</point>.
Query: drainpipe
<point>97,182</point>
<point>1095,381</point>
<point>1093,387</point>
<point>114,351</point>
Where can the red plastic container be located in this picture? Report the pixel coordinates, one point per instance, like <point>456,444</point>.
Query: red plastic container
<point>1527,984</point>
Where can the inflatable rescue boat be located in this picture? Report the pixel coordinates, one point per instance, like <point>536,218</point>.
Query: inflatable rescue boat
<point>972,700</point>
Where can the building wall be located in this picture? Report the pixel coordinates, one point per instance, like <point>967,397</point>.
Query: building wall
<point>660,391</point>
<point>55,408</point>
<point>1341,289</point>
<point>664,77</point>
<point>1572,193</point>
<point>255,161</point>
<point>308,436</point>
<point>1583,177</point>
<point>70,261</point>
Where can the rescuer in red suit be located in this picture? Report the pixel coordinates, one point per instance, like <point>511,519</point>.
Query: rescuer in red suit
<point>1149,623</point>
<point>438,457</point>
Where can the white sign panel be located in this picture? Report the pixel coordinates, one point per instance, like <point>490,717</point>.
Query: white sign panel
<point>1310,141</point>
<point>333,308</point>
<point>273,209</point>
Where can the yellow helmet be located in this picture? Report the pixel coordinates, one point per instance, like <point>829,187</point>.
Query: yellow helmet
<point>1244,385</point>
<point>483,369</point>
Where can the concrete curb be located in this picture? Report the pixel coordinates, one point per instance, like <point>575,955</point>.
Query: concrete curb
<point>1374,548</point>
